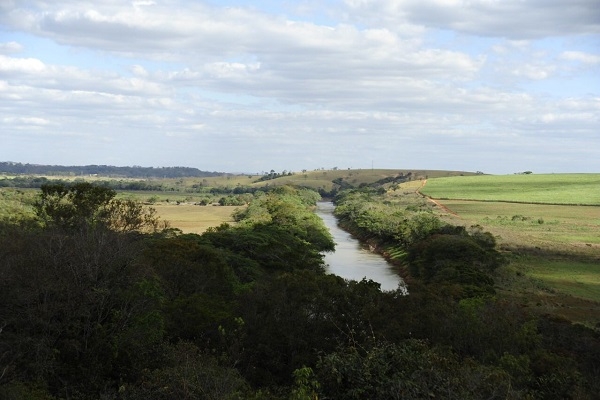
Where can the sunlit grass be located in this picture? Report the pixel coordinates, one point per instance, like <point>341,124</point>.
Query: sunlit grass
<point>194,219</point>
<point>522,224</point>
<point>553,251</point>
<point>548,188</point>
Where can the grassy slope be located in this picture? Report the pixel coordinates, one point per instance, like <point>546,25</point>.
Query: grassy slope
<point>554,250</point>
<point>323,178</point>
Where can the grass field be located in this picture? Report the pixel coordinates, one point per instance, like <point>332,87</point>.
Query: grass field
<point>569,228</point>
<point>553,244</point>
<point>572,277</point>
<point>548,189</point>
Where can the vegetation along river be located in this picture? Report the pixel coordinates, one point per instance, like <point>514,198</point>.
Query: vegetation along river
<point>352,260</point>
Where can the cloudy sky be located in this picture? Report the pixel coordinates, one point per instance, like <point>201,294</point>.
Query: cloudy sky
<point>499,86</point>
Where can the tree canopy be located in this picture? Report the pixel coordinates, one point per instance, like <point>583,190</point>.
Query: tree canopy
<point>96,301</point>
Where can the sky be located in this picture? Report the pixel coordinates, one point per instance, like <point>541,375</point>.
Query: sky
<point>498,86</point>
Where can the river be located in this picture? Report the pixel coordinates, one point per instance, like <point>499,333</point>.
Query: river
<point>351,260</point>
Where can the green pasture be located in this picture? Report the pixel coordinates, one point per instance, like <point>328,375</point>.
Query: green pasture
<point>576,278</point>
<point>557,225</point>
<point>564,240</point>
<point>547,189</point>
<point>535,217</point>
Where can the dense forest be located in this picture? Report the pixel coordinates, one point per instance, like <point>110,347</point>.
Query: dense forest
<point>100,299</point>
<point>15,168</point>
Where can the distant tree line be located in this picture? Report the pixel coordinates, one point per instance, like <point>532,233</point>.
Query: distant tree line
<point>36,182</point>
<point>104,170</point>
<point>273,175</point>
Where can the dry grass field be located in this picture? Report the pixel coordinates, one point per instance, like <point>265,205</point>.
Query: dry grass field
<point>568,228</point>
<point>194,219</point>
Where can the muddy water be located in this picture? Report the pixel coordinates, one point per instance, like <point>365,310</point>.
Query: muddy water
<point>351,260</point>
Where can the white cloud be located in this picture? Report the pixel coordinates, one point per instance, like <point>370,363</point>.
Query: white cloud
<point>20,65</point>
<point>533,71</point>
<point>585,58</point>
<point>184,80</point>
<point>34,73</point>
<point>10,47</point>
<point>35,121</point>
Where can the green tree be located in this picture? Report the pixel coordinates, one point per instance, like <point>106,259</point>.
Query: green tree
<point>408,370</point>
<point>86,205</point>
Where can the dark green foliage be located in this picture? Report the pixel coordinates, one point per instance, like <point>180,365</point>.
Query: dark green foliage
<point>452,258</point>
<point>187,373</point>
<point>72,310</point>
<point>92,307</point>
<point>199,286</point>
<point>408,370</point>
<point>271,247</point>
<point>233,200</point>
<point>72,206</point>
<point>455,257</point>
<point>286,318</point>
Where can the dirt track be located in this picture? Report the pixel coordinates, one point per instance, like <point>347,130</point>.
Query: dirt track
<point>437,203</point>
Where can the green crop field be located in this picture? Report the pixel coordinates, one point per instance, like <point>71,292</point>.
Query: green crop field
<point>550,223</point>
<point>547,189</point>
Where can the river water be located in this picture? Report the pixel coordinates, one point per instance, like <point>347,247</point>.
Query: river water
<point>351,260</point>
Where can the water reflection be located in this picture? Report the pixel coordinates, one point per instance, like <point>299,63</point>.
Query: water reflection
<point>351,260</point>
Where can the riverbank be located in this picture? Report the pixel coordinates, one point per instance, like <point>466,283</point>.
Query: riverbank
<point>352,258</point>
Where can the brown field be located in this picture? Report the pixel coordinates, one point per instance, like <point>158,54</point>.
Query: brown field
<point>194,219</point>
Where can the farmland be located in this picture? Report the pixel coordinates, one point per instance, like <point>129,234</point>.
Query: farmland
<point>194,219</point>
<point>553,245</point>
<point>176,199</point>
<point>233,289</point>
<point>574,189</point>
